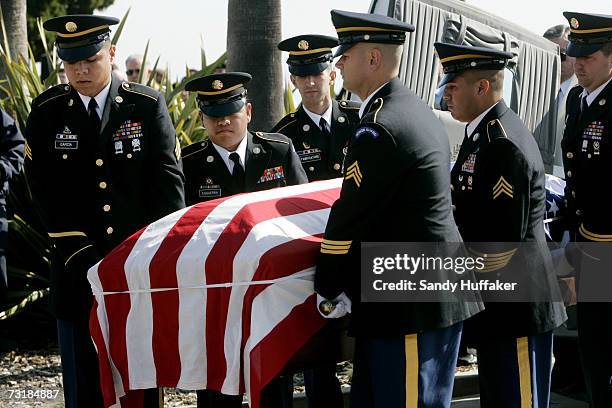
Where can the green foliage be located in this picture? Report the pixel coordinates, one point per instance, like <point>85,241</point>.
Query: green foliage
<point>288,98</point>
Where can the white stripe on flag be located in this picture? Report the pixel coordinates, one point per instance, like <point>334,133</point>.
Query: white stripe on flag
<point>190,269</point>
<point>270,307</point>
<point>139,324</point>
<point>263,237</point>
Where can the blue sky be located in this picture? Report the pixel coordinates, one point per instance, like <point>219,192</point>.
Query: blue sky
<point>177,28</point>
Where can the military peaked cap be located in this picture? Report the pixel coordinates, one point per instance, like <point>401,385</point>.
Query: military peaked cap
<point>220,94</point>
<point>79,36</point>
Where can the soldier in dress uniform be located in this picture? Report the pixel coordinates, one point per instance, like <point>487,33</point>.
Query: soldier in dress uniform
<point>499,196</point>
<point>266,160</point>
<point>320,129</point>
<point>231,161</point>
<point>587,155</point>
<point>396,188</point>
<point>102,161</point>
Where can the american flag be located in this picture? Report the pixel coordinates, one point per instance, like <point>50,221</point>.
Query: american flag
<point>215,296</point>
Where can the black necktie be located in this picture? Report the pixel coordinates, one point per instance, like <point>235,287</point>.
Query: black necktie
<point>237,172</point>
<point>323,125</point>
<point>93,115</point>
<point>583,104</point>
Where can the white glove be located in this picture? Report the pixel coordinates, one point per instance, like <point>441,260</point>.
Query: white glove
<point>341,305</point>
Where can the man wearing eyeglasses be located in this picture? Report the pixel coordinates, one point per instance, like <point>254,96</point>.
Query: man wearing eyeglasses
<point>133,64</point>
<point>559,35</point>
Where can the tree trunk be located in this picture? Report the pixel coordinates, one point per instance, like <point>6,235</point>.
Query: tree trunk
<point>14,13</point>
<point>253,33</point>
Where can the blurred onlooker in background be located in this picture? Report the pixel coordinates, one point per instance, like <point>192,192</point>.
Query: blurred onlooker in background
<point>160,74</point>
<point>559,35</point>
<point>133,64</point>
<point>11,162</point>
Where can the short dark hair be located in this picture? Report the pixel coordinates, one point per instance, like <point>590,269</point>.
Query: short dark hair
<point>494,76</point>
<point>556,31</point>
<point>607,48</point>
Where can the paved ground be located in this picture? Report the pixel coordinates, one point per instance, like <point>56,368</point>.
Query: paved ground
<point>558,401</point>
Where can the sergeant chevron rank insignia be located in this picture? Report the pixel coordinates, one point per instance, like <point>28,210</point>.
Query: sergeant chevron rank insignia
<point>332,247</point>
<point>503,187</point>
<point>353,172</point>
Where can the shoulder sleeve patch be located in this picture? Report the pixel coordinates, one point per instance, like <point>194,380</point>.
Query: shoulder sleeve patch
<point>366,131</point>
<point>272,137</point>
<point>52,93</point>
<point>495,130</point>
<point>140,89</point>
<point>373,132</point>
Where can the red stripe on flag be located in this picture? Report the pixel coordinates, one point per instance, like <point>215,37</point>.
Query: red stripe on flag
<point>106,374</point>
<point>165,305</point>
<point>283,260</point>
<point>219,265</point>
<point>273,351</point>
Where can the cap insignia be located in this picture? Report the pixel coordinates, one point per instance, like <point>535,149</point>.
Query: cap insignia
<point>574,22</point>
<point>303,45</point>
<point>218,85</point>
<point>71,26</point>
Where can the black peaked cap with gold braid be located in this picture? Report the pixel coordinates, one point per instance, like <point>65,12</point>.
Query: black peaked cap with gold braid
<point>588,33</point>
<point>458,58</point>
<point>353,28</point>
<point>79,36</point>
<point>220,94</point>
<point>308,54</point>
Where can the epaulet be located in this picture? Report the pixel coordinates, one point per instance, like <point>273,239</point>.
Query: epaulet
<point>194,148</point>
<point>349,105</point>
<point>272,137</point>
<point>495,130</point>
<point>140,89</point>
<point>284,122</point>
<point>52,93</point>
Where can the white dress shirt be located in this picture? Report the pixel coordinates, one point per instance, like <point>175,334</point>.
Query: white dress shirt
<point>241,150</point>
<point>100,99</point>
<point>316,118</point>
<point>590,97</point>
